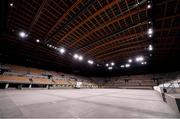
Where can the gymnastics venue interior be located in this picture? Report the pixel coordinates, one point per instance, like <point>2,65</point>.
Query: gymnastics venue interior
<point>90,59</point>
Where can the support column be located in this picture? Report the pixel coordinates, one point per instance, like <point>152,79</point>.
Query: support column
<point>7,85</point>
<point>30,85</point>
<point>47,86</point>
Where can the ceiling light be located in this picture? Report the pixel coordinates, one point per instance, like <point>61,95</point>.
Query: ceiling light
<point>127,65</point>
<point>61,50</point>
<point>107,65</point>
<point>37,40</point>
<point>112,63</point>
<point>90,62</point>
<point>137,4</point>
<point>150,31</point>
<point>143,63</point>
<point>22,34</point>
<point>11,4</point>
<point>122,66</point>
<point>110,68</point>
<point>50,46</point>
<point>149,6</point>
<point>150,48</point>
<point>139,58</point>
<point>80,58</point>
<point>130,60</point>
<point>150,36</point>
<point>76,56</point>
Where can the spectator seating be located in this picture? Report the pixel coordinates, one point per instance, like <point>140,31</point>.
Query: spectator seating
<point>41,81</point>
<point>28,75</point>
<point>14,79</point>
<point>60,81</point>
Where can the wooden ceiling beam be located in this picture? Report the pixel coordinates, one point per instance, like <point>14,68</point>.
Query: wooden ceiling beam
<point>36,18</point>
<point>130,45</point>
<point>107,24</point>
<point>109,36</point>
<point>62,17</point>
<point>168,17</point>
<point>122,42</point>
<point>134,49</point>
<point>90,17</point>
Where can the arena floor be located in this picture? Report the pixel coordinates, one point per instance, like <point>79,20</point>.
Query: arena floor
<point>83,103</point>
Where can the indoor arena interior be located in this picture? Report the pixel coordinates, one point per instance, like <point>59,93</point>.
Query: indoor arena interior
<point>90,59</point>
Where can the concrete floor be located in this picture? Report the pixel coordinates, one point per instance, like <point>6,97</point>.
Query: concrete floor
<point>83,103</point>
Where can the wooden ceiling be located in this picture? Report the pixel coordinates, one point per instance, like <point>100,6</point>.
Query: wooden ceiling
<point>101,30</point>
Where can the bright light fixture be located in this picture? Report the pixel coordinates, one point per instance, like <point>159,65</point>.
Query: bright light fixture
<point>127,65</point>
<point>139,58</point>
<point>61,50</point>
<point>110,68</point>
<point>11,4</point>
<point>22,34</point>
<point>107,65</point>
<point>112,63</point>
<point>150,48</point>
<point>137,4</point>
<point>122,66</point>
<point>80,58</point>
<point>37,40</point>
<point>130,60</point>
<point>143,63</point>
<point>76,56</point>
<point>149,6</point>
<point>90,62</point>
<point>150,31</point>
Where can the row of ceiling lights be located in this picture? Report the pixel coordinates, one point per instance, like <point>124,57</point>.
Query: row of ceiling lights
<point>150,30</point>
<point>62,50</point>
<point>75,56</point>
<point>79,57</point>
<point>139,59</point>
